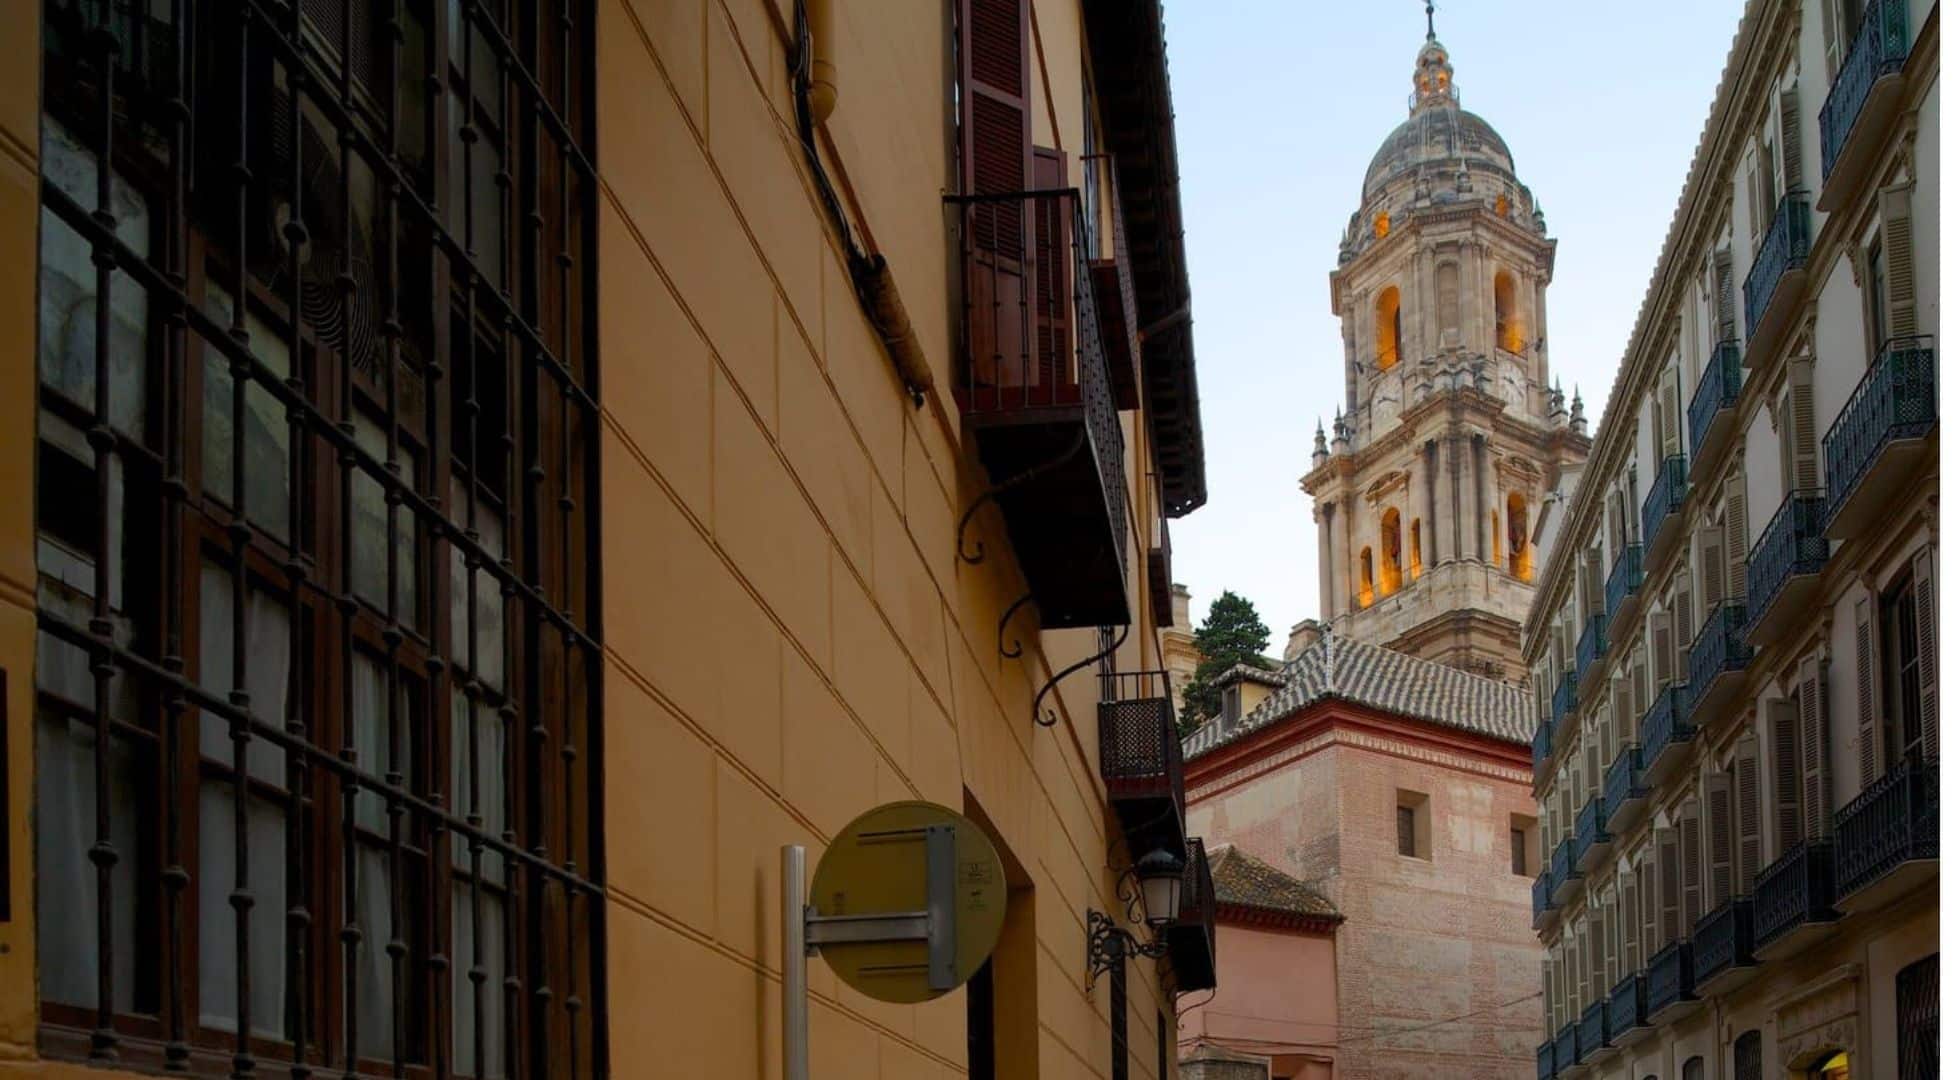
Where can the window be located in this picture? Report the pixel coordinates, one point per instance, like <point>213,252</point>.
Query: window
<point>1837,1066</point>
<point>348,665</point>
<point>1518,852</point>
<point>1875,331</point>
<point>1412,824</point>
<point>1367,595</point>
<point>1691,1069</point>
<point>1381,224</point>
<point>1918,986</point>
<point>1391,552</point>
<point>1517,535</point>
<point>1749,1056</point>
<point>1388,328</point>
<point>1415,548</point>
<point>1899,646</point>
<point>1510,328</point>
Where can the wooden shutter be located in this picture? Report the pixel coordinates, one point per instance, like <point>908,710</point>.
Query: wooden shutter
<point>1663,638</point>
<point>1788,768</point>
<point>1814,732</point>
<point>1622,715</point>
<point>1640,698</point>
<point>1673,882</point>
<point>1868,733</point>
<point>1691,893</point>
<point>1833,51</point>
<point>1901,307</point>
<point>1748,810</point>
<point>1751,170</point>
<point>1054,228</point>
<point>1736,537</point>
<point>1721,838</point>
<point>1792,139</point>
<point>1714,570</point>
<point>1925,602</point>
<point>1670,415</point>
<point>1724,296</point>
<point>1596,932</point>
<point>1684,629</point>
<point>995,158</point>
<point>1803,425</point>
<point>1629,924</point>
<point>1650,907</point>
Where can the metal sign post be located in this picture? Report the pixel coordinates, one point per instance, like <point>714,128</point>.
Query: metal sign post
<point>796,970</point>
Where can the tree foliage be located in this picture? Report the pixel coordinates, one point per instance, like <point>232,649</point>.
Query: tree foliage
<point>1231,634</point>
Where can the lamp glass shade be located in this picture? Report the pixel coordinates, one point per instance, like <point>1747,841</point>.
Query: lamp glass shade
<point>1161,877</point>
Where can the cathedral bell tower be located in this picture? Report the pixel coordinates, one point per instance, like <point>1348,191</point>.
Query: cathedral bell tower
<point>1448,440</point>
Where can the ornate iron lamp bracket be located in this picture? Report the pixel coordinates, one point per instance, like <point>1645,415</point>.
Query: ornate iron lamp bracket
<point>1110,945</point>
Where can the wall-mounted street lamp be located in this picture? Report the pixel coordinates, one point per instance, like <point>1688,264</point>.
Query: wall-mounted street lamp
<point>1160,879</point>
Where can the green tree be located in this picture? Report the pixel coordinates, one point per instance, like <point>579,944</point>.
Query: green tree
<point>1231,634</point>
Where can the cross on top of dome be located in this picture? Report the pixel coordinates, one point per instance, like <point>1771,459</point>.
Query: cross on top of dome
<point>1435,78</point>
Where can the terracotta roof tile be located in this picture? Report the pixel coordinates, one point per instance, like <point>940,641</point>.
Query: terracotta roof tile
<point>1241,879</point>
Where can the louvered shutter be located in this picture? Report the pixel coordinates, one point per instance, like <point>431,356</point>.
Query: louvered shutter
<point>1868,734</point>
<point>1663,637</point>
<point>1684,630</point>
<point>1670,415</point>
<point>1925,601</point>
<point>1622,715</point>
<point>1714,569</point>
<point>1803,425</point>
<point>1788,768</point>
<point>1691,895</point>
<point>995,158</point>
<point>1721,839</point>
<point>1673,882</point>
<point>1901,306</point>
<point>1751,172</point>
<point>1792,139</point>
<point>1551,992</point>
<point>1814,731</point>
<point>1650,907</point>
<point>1833,53</point>
<point>1053,232</point>
<point>1597,933</point>
<point>1748,810</point>
<point>1640,697</point>
<point>1629,924</point>
<point>1724,296</point>
<point>1735,518</point>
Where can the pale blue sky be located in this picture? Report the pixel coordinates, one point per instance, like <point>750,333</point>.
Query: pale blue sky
<point>1280,105</point>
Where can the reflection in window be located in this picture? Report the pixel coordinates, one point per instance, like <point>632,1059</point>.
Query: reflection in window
<point>268,438</point>
<point>68,287</point>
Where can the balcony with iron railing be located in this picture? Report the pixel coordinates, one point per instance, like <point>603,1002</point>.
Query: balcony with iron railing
<point>1566,878</point>
<point>1851,126</point>
<point>1774,290</point>
<point>1725,947</point>
<point>1568,1047</point>
<point>1626,790</point>
<point>1671,982</point>
<point>1548,1059</point>
<point>1593,1037</point>
<point>1623,591</point>
<point>1565,702</point>
<point>1116,301</point>
<point>1591,653</point>
<point>1591,841</point>
<point>1793,899</point>
<point>1878,444</point>
<point>1541,749</point>
<point>1660,512</point>
<point>1716,660</point>
<point>1142,759</point>
<point>1626,1013</point>
<point>1666,733</point>
<point>1033,384</point>
<point>1544,909</point>
<point>1711,413</point>
<point>1192,938</point>
<point>1887,840</point>
<point>1785,567</point>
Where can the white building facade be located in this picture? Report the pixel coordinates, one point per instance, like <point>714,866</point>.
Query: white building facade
<point>1734,639</point>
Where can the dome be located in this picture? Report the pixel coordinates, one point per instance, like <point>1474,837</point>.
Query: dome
<point>1439,134</point>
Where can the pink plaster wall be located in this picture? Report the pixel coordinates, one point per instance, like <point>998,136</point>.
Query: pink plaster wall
<point>1278,999</point>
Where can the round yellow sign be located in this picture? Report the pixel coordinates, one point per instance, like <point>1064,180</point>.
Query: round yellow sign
<point>907,902</point>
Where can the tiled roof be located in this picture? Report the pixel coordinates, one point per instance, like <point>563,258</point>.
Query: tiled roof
<point>1238,878</point>
<point>1339,668</point>
<point>1270,676</point>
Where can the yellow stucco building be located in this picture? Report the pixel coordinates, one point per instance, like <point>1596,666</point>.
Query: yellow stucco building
<point>496,471</point>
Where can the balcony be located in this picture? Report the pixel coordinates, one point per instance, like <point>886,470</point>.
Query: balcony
<point>1548,1059</point>
<point>1160,575</point>
<point>1660,514</point>
<point>1593,1039</point>
<point>1142,760</point>
<point>1785,567</point>
<point>1626,1013</point>
<point>1623,585</point>
<point>1712,411</point>
<point>1033,385</point>
<point>1116,309</point>
<point>1887,839</point>
<point>1541,749</point>
<point>1851,126</point>
<point>1590,838</point>
<point>1665,735</point>
<point>1671,983</point>
<point>1192,938</point>
<point>1565,701</point>
<point>1773,291</point>
<point>1725,947</point>
<point>1543,908</point>
<point>1568,1047</point>
<point>1626,790</point>
<point>1591,655</point>
<point>1716,661</point>
<point>1793,900</point>
<point>1566,878</point>
<point>1879,443</point>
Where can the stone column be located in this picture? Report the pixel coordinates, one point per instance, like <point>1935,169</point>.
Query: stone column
<point>1337,521</point>
<point>1416,513</point>
<point>1480,314</point>
<point>1323,521</point>
<point>1429,488</point>
<point>1479,457</point>
<point>1455,467</point>
<point>1541,363</point>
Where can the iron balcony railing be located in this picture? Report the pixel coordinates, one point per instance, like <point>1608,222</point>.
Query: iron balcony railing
<point>1725,940</point>
<point>1721,384</point>
<point>1666,722</point>
<point>1592,1030</point>
<point>1541,744</point>
<point>1671,977</point>
<point>1192,937</point>
<point>1628,1008</point>
<point>1142,759</point>
<point>1623,780</point>
<point>1592,643</point>
<point>1568,1046</point>
<point>1792,544</point>
<point>1565,866</point>
<point>1548,1059</point>
<point>1541,895</point>
<point>1565,699</point>
<point>1718,649</point>
<point>1895,820</point>
<point>1883,40</point>
<point>1590,828</point>
<point>1664,498</point>
<point>1896,400</point>
<point>1624,582</point>
<point>1786,246</point>
<point>1794,890</point>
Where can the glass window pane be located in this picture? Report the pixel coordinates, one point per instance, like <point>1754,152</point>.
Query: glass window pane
<point>371,528</point>
<point>489,661</point>
<point>267,653</point>
<point>65,879</point>
<point>68,279</point>
<point>485,950</point>
<point>217,920</point>
<point>486,793</point>
<point>268,439</point>
<point>374,989</point>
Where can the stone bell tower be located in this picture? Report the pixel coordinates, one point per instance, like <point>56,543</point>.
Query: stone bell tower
<point>1448,438</point>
